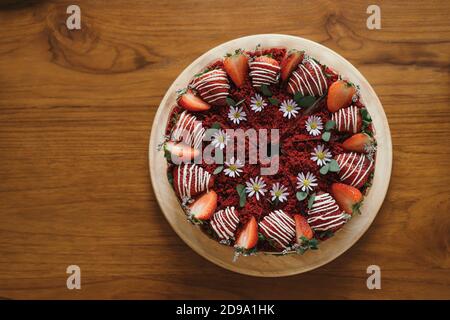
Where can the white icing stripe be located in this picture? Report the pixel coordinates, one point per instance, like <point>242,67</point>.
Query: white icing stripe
<point>188,130</point>
<point>279,227</point>
<point>325,213</point>
<point>263,73</point>
<point>209,83</point>
<point>347,161</point>
<point>346,119</point>
<point>305,82</point>
<point>192,174</point>
<point>225,222</point>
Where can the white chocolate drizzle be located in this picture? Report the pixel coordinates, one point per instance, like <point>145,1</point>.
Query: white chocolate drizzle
<point>346,119</point>
<point>353,163</point>
<point>212,85</point>
<point>225,222</point>
<point>188,130</point>
<point>303,81</point>
<point>325,213</point>
<point>192,178</point>
<point>263,73</point>
<point>279,227</point>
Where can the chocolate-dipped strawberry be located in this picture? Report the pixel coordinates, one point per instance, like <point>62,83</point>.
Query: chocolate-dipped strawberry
<point>325,214</point>
<point>308,79</point>
<point>212,86</point>
<point>264,71</point>
<point>348,119</point>
<point>355,168</point>
<point>190,180</point>
<point>279,228</point>
<point>225,222</point>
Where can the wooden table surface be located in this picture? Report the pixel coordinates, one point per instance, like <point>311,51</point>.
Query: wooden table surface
<point>76,109</point>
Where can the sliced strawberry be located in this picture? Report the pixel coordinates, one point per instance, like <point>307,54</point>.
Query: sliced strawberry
<point>340,95</point>
<point>347,197</point>
<point>264,70</point>
<point>302,229</point>
<point>358,142</point>
<point>248,236</point>
<point>181,151</point>
<point>236,66</point>
<point>190,180</point>
<point>189,101</point>
<point>203,208</point>
<point>290,62</point>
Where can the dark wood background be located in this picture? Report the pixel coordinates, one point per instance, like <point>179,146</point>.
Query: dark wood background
<point>76,109</point>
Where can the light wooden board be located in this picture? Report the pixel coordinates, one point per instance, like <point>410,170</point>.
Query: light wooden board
<point>76,109</point>
<point>267,265</point>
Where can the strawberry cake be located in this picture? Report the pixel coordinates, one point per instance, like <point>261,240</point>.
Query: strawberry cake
<point>325,151</point>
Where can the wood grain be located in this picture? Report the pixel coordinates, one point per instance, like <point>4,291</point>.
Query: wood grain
<point>75,114</point>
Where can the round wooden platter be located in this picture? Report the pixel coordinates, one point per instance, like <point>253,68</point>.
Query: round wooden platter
<point>267,265</point>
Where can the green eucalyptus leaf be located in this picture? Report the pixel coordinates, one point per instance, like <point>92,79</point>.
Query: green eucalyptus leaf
<point>325,169</point>
<point>311,200</point>
<point>301,195</point>
<point>218,170</point>
<point>274,101</point>
<point>298,96</point>
<point>306,101</point>
<point>326,136</point>
<point>215,125</point>
<point>266,91</point>
<point>231,102</point>
<point>334,166</point>
<point>330,125</point>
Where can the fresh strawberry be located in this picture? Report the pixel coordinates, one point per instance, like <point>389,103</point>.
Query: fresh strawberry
<point>203,208</point>
<point>347,197</point>
<point>358,142</point>
<point>248,236</point>
<point>340,95</point>
<point>302,229</point>
<point>181,152</point>
<point>189,101</point>
<point>348,119</point>
<point>308,79</point>
<point>290,62</point>
<point>264,71</point>
<point>190,180</point>
<point>354,168</point>
<point>236,66</point>
<point>212,86</point>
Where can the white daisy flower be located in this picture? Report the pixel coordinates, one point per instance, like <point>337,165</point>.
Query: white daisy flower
<point>314,125</point>
<point>237,115</point>
<point>233,168</point>
<point>289,108</point>
<point>321,155</point>
<point>279,192</point>
<point>220,139</point>
<point>257,103</point>
<point>255,187</point>
<point>306,182</point>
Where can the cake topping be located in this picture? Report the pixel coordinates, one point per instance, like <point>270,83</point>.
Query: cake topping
<point>278,227</point>
<point>233,167</point>
<point>348,119</point>
<point>290,62</point>
<point>189,101</point>
<point>248,236</point>
<point>225,222</point>
<point>359,142</point>
<point>308,79</point>
<point>340,95</point>
<point>255,187</point>
<point>204,207</point>
<point>188,130</point>
<point>302,229</point>
<point>220,139</point>
<point>354,168</point>
<point>212,86</point>
<point>306,182</point>
<point>347,197</point>
<point>325,214</point>
<point>236,65</point>
<point>321,155</point>
<point>314,125</point>
<point>257,103</point>
<point>237,115</point>
<point>264,71</point>
<point>279,192</point>
<point>289,108</point>
<point>190,180</point>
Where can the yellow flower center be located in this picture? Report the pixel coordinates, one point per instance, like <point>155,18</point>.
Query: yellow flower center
<point>313,125</point>
<point>256,187</point>
<point>289,108</point>
<point>306,182</point>
<point>237,115</point>
<point>320,155</point>
<point>258,103</point>
<point>232,167</point>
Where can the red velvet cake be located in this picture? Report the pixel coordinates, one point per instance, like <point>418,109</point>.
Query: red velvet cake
<point>322,150</point>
